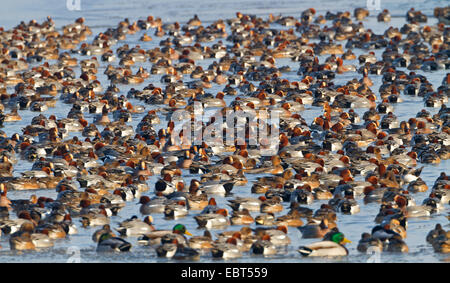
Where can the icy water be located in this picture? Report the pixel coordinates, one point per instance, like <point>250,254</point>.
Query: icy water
<point>102,14</point>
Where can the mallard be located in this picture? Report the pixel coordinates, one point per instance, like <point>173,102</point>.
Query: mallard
<point>334,247</point>
<point>108,243</point>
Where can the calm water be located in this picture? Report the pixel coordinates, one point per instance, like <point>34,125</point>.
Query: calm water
<point>103,14</point>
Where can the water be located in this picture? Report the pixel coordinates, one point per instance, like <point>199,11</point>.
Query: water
<point>103,14</point>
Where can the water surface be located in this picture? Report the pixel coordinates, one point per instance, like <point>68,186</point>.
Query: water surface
<point>103,14</point>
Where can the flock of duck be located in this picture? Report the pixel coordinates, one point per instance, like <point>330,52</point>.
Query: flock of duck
<point>98,166</point>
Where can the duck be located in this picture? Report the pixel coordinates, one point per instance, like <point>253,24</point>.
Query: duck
<point>397,245</point>
<point>434,202</point>
<point>368,243</point>
<point>241,218</point>
<point>435,233</point>
<point>203,243</point>
<point>348,205</point>
<point>227,250</point>
<point>384,107</point>
<point>272,204</point>
<point>21,240</point>
<point>251,204</point>
<point>291,219</point>
<point>442,244</point>
<point>219,188</point>
<point>108,243</point>
<point>53,231</point>
<point>360,13</point>
<point>177,251</point>
<point>167,249</point>
<point>344,68</point>
<point>439,239</point>
<point>417,185</point>
<point>278,235</point>
<point>314,229</point>
<point>349,55</point>
<point>396,226</point>
<point>12,116</point>
<point>135,227</point>
<point>330,248</point>
<point>302,195</point>
<point>415,16</point>
<point>215,220</point>
<point>197,200</point>
<point>414,210</point>
<point>154,205</point>
<point>383,233</point>
<point>4,200</point>
<point>10,226</point>
<point>41,241</point>
<point>95,219</point>
<point>154,237</point>
<point>176,209</point>
<point>103,119</point>
<point>263,246</point>
<point>265,219</point>
<point>145,38</point>
<point>384,16</point>
<point>104,230</point>
<point>165,186</point>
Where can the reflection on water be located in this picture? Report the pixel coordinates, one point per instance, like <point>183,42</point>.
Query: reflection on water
<point>103,14</point>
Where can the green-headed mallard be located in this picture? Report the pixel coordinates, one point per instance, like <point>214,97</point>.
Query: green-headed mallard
<point>334,247</point>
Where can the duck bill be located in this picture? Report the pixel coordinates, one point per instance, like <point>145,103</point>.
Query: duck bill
<point>345,241</point>
<point>187,233</point>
